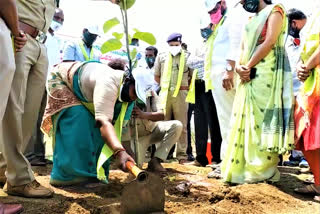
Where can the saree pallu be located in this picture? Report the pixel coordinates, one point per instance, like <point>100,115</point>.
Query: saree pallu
<point>71,127</point>
<point>262,120</point>
<point>307,111</point>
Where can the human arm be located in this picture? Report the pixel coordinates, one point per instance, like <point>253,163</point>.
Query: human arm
<point>105,95</point>
<point>8,11</point>
<point>157,70</point>
<point>109,136</point>
<point>153,116</point>
<point>303,69</point>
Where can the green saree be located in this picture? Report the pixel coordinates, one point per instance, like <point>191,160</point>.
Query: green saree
<point>262,121</point>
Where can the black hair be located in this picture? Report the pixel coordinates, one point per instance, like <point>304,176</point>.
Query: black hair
<point>268,1</point>
<point>117,64</point>
<point>295,14</point>
<point>154,49</point>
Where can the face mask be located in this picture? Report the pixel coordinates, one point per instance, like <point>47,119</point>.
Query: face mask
<point>175,50</point>
<point>216,17</point>
<point>294,32</point>
<point>206,32</point>
<point>150,61</point>
<point>89,38</point>
<point>124,93</point>
<point>251,6</point>
<point>55,26</point>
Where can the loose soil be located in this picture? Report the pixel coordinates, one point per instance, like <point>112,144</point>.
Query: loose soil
<point>198,195</point>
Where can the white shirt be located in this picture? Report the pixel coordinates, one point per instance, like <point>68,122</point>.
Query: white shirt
<point>53,45</point>
<point>148,75</point>
<point>293,52</point>
<point>227,42</point>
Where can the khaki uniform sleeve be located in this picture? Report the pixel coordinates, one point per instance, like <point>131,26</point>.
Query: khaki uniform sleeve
<point>105,96</point>
<point>157,67</point>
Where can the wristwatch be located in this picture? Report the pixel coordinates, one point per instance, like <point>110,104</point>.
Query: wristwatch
<point>229,68</point>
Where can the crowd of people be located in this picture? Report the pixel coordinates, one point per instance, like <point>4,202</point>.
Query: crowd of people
<point>253,85</point>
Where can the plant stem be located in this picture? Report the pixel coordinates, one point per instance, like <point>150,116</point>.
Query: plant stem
<point>126,31</point>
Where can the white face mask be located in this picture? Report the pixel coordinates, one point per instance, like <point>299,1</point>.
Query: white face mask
<point>175,50</point>
<point>55,26</point>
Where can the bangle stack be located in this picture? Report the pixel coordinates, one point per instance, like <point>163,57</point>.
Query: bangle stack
<point>118,151</point>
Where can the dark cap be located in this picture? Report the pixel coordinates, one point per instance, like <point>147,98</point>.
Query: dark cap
<point>175,37</point>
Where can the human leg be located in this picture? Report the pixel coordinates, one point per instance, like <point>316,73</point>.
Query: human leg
<point>211,114</point>
<point>180,112</point>
<point>189,148</point>
<point>201,124</point>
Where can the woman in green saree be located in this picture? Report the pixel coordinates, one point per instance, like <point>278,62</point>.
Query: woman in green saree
<point>88,104</point>
<point>262,122</point>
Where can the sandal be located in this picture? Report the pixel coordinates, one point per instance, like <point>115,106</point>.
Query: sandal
<point>308,190</point>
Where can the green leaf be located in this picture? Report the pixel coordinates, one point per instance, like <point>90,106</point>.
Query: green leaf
<point>130,3</point>
<point>110,24</point>
<point>135,30</point>
<point>146,37</point>
<point>111,45</point>
<point>133,54</point>
<point>118,36</point>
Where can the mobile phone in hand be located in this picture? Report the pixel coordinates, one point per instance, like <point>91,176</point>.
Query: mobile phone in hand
<point>253,73</point>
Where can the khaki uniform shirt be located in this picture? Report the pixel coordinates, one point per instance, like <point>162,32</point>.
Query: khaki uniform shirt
<point>100,85</point>
<point>145,127</point>
<point>159,69</point>
<point>37,13</point>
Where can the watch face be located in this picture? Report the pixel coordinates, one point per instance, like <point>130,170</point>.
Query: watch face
<point>229,67</point>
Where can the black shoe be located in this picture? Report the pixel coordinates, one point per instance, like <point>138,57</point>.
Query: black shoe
<point>190,157</point>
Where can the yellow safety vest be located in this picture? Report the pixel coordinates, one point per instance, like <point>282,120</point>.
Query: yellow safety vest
<point>191,97</point>
<point>208,58</point>
<point>166,78</point>
<point>84,52</point>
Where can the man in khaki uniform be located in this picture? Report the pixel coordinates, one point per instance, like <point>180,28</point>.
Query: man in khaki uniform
<point>27,88</point>
<point>175,106</point>
<point>152,129</point>
<point>8,24</point>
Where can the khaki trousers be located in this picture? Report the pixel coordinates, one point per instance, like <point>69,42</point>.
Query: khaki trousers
<point>22,110</point>
<point>166,133</point>
<point>177,109</point>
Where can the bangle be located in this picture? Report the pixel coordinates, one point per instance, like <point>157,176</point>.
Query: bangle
<point>118,151</point>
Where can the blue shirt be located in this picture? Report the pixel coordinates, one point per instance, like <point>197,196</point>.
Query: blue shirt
<point>72,51</point>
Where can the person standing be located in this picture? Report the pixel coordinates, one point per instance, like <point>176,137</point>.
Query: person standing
<point>297,20</point>
<point>173,75</point>
<point>262,126</point>
<point>24,101</point>
<point>35,151</point>
<point>307,111</point>
<point>83,50</point>
<point>8,25</point>
<point>223,37</point>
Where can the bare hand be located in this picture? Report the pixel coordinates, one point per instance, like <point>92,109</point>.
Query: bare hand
<point>227,81</point>
<point>122,158</point>
<point>244,73</point>
<point>20,41</point>
<point>137,113</point>
<point>302,72</point>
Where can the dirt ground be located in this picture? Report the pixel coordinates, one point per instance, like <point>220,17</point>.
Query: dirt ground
<point>205,195</point>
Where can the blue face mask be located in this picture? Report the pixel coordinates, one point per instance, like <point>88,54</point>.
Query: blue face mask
<point>206,32</point>
<point>150,61</point>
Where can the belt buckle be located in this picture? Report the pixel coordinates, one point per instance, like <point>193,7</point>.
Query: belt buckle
<point>41,37</point>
